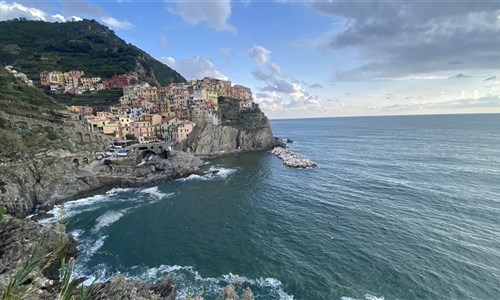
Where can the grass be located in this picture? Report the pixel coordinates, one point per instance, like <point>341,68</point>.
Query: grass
<point>19,286</point>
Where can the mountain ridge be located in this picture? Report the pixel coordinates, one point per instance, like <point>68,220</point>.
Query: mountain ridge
<point>36,46</point>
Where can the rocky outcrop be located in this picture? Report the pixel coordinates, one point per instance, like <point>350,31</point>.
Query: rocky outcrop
<point>210,140</point>
<point>18,237</point>
<point>292,159</point>
<point>53,178</point>
<point>119,287</point>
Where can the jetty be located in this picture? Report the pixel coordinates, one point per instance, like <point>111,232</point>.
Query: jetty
<point>292,159</point>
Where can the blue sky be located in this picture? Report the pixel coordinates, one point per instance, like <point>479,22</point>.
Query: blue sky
<point>315,58</point>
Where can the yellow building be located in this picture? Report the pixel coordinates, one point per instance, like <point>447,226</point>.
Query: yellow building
<point>111,128</point>
<point>210,95</point>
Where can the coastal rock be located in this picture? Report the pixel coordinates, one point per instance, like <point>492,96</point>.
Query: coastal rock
<point>210,140</point>
<point>119,287</point>
<point>17,239</point>
<point>292,159</point>
<point>49,179</point>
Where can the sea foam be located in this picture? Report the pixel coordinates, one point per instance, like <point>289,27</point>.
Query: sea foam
<point>108,218</point>
<point>155,193</point>
<point>222,173</point>
<point>190,282</point>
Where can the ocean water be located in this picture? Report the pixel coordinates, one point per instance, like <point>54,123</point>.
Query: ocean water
<point>399,208</point>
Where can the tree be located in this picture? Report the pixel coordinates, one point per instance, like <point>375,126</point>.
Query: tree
<point>129,136</point>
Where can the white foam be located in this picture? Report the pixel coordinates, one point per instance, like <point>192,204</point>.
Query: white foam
<point>92,249</point>
<point>77,233</point>
<point>155,192</point>
<point>197,283</point>
<point>72,208</point>
<point>367,297</point>
<point>108,218</point>
<point>223,173</point>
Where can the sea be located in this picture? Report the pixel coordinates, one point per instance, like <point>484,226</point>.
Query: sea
<point>399,207</point>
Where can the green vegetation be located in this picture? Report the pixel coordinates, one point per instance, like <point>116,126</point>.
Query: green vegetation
<point>36,46</point>
<point>21,286</point>
<point>100,100</point>
<point>2,212</point>
<point>24,142</point>
<point>17,287</point>
<point>251,119</point>
<point>129,136</point>
<point>17,98</point>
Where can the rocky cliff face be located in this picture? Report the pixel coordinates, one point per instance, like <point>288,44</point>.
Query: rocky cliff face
<point>18,237</point>
<point>210,140</point>
<point>53,177</point>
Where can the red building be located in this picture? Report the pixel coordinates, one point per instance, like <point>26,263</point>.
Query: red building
<point>120,81</point>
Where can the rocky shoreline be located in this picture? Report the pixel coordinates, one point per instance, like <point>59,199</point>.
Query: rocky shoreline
<point>292,159</point>
<point>26,189</point>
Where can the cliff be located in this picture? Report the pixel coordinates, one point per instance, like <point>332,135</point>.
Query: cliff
<point>240,131</point>
<point>57,176</point>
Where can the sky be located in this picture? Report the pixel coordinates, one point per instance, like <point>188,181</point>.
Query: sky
<point>315,58</point>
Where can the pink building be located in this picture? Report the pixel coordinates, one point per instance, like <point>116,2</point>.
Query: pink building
<point>143,131</point>
<point>182,131</point>
<point>87,110</point>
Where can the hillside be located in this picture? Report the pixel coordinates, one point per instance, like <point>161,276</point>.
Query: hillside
<point>36,46</point>
<point>17,98</point>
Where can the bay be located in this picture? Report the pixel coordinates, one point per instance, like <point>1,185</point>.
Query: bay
<point>403,207</point>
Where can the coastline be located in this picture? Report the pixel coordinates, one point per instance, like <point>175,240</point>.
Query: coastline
<point>187,165</point>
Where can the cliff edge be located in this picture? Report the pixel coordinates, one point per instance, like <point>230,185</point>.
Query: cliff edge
<point>240,130</point>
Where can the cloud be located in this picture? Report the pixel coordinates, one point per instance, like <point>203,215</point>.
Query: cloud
<point>215,13</point>
<point>169,61</point>
<point>490,78</point>
<point>401,38</point>
<point>316,86</point>
<point>459,76</point>
<point>194,67</point>
<point>94,11</point>
<point>489,101</point>
<point>114,23</point>
<point>14,10</point>
<point>164,42</point>
<point>259,54</point>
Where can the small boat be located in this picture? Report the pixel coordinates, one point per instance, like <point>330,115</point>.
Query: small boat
<point>215,173</point>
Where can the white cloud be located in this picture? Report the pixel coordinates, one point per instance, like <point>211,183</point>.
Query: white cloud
<point>117,24</point>
<point>13,10</point>
<point>16,10</point>
<point>215,13</point>
<point>259,54</point>
<point>169,61</point>
<point>164,41</point>
<point>195,67</point>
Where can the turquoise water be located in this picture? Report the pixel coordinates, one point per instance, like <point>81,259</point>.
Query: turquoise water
<point>413,203</point>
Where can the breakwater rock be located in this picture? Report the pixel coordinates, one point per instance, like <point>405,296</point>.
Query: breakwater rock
<point>293,159</point>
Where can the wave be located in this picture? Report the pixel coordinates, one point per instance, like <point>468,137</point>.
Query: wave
<point>189,282</point>
<point>367,297</point>
<point>91,249</point>
<point>156,193</point>
<point>108,218</point>
<point>72,208</point>
<point>220,173</point>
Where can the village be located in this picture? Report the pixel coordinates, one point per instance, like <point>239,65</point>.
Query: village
<point>145,113</point>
